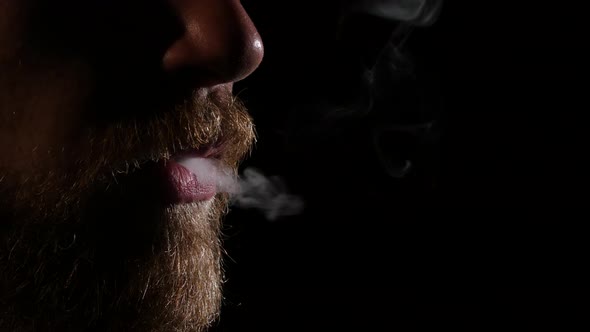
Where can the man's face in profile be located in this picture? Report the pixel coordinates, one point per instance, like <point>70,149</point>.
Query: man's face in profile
<point>102,102</point>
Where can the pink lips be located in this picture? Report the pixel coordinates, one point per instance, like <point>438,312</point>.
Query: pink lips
<point>181,185</point>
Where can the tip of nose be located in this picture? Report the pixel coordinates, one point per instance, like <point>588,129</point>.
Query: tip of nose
<point>222,52</point>
<point>251,58</point>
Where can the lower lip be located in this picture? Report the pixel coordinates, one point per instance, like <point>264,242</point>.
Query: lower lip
<point>182,186</point>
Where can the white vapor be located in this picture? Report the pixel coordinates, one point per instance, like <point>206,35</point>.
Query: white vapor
<point>268,195</point>
<point>251,190</point>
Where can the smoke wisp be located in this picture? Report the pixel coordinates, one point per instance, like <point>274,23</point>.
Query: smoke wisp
<point>251,190</point>
<point>417,12</point>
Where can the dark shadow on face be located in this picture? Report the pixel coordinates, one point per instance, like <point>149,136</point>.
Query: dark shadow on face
<point>89,239</point>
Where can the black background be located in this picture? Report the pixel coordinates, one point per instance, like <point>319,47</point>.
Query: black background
<point>487,230</point>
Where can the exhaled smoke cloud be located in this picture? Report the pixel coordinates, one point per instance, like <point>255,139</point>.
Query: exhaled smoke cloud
<point>251,190</point>
<point>267,194</point>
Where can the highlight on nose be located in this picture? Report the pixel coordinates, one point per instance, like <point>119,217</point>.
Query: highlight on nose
<point>220,43</point>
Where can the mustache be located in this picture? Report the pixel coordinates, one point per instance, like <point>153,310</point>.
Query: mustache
<point>198,123</point>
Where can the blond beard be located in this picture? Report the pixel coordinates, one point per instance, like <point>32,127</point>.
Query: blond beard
<point>74,277</point>
<point>89,247</point>
<point>180,288</point>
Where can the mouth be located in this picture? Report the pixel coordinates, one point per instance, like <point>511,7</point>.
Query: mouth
<point>190,175</point>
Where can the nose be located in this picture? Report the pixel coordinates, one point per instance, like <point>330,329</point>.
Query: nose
<point>219,44</point>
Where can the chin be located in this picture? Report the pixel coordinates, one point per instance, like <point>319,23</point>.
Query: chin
<point>120,264</point>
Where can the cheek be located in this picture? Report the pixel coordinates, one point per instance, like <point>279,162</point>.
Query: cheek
<point>40,117</point>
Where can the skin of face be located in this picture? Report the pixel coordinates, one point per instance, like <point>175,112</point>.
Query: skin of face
<point>95,97</point>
